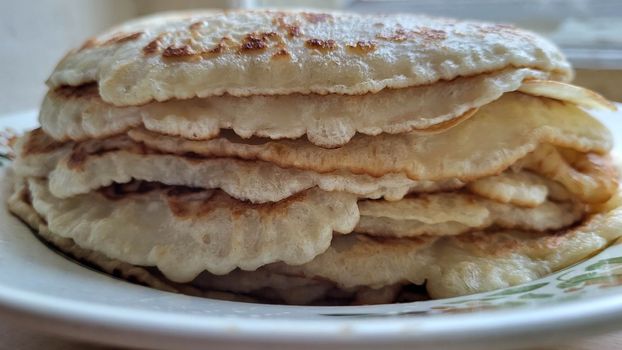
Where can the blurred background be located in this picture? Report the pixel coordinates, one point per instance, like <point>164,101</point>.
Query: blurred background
<point>34,34</point>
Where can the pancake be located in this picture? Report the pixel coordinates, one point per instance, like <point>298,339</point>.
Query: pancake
<point>326,120</point>
<point>79,168</point>
<point>79,113</point>
<point>520,124</point>
<point>319,158</point>
<point>243,53</point>
<point>239,235</point>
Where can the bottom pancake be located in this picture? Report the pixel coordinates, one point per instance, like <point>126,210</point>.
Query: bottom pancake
<point>263,285</point>
<point>359,269</point>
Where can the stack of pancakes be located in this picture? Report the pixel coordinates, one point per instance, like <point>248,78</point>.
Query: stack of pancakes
<point>314,158</point>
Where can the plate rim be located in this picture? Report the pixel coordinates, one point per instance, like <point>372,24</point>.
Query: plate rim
<point>583,317</point>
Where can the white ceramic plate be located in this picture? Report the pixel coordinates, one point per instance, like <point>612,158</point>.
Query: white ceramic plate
<point>41,289</point>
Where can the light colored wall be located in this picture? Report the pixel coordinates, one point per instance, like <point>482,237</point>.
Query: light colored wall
<point>34,35</point>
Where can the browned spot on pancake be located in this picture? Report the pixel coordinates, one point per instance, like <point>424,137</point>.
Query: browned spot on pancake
<point>237,212</point>
<point>77,158</point>
<point>214,50</point>
<point>255,42</point>
<point>281,54</point>
<point>39,142</point>
<point>219,48</point>
<point>122,37</point>
<point>270,35</point>
<point>252,44</point>
<point>321,45</point>
<point>152,47</point>
<point>316,17</point>
<point>186,202</point>
<point>178,51</point>
<point>362,46</point>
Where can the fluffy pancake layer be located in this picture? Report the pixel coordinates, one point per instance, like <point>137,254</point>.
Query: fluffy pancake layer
<point>506,130</point>
<point>243,53</point>
<point>78,113</point>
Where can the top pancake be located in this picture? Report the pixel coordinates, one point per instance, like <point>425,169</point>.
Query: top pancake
<point>242,53</point>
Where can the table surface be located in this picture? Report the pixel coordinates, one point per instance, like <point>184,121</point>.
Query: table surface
<point>12,338</point>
